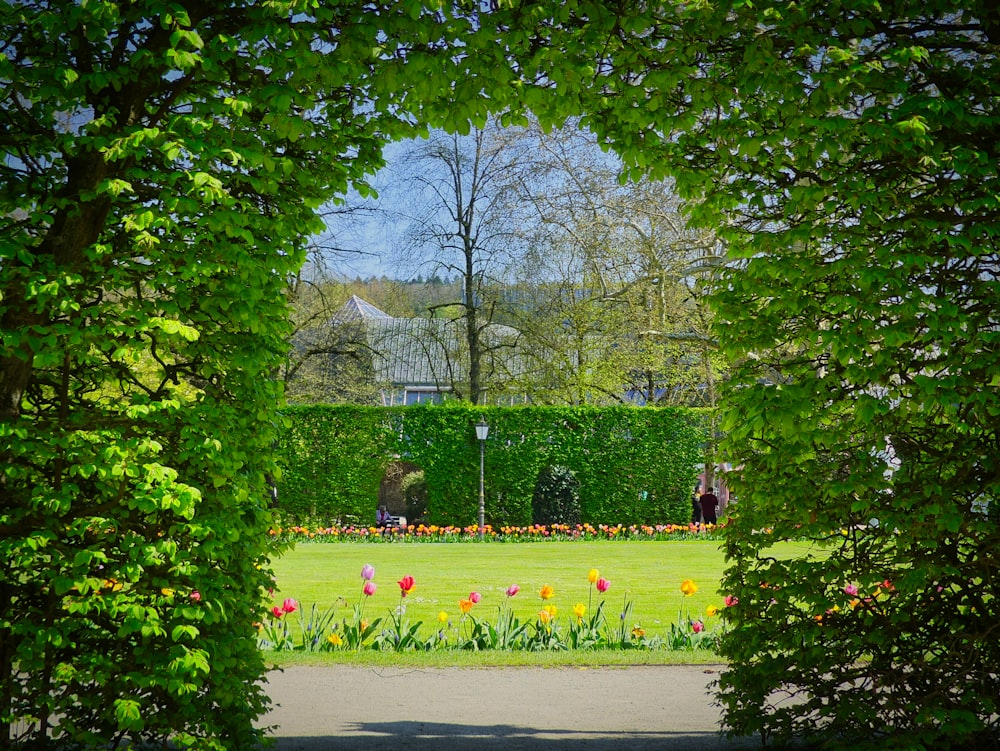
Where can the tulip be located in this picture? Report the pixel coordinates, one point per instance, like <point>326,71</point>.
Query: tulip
<point>465,606</point>
<point>711,610</point>
<point>697,626</point>
<point>593,575</point>
<point>335,640</point>
<point>546,592</point>
<point>289,605</point>
<point>512,590</point>
<point>602,585</point>
<point>277,612</point>
<point>475,597</point>
<point>731,600</point>
<point>406,585</point>
<point>638,632</point>
<point>442,617</point>
<point>369,588</point>
<point>368,572</point>
<point>688,587</point>
<point>579,609</point>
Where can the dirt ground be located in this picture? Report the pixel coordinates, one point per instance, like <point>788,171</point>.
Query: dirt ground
<point>669,708</point>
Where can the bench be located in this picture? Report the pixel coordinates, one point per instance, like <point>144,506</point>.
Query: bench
<point>398,522</point>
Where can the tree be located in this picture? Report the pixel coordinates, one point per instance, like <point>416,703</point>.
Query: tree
<point>457,227</point>
<point>853,149</point>
<point>161,168</point>
<point>614,276</point>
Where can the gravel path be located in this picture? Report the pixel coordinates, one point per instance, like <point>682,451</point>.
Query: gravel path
<point>515,709</point>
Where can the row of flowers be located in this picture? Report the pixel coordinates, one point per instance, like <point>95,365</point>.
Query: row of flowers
<point>584,626</point>
<point>530,533</point>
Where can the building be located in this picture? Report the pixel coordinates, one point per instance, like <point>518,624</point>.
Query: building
<point>417,360</point>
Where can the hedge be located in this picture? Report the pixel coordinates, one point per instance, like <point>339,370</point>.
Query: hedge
<point>634,465</point>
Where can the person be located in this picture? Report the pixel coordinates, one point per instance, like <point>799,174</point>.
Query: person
<point>382,517</point>
<point>709,503</point>
<point>695,505</point>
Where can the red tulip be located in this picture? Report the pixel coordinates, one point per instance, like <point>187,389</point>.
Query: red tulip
<point>289,605</point>
<point>406,585</point>
<point>369,588</point>
<point>602,584</point>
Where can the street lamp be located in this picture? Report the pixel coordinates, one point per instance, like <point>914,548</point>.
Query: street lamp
<point>482,432</point>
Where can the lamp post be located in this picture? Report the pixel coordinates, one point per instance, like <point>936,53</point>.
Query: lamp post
<point>482,431</point>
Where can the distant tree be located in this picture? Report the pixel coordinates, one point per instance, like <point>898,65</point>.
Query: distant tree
<point>451,184</point>
<point>615,279</point>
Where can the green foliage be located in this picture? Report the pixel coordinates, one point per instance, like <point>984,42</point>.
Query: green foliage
<point>557,497</point>
<point>848,152</point>
<point>414,489</point>
<point>163,172</point>
<point>160,171</point>
<point>635,466</point>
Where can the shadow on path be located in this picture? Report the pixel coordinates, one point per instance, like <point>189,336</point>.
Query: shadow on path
<point>421,736</point>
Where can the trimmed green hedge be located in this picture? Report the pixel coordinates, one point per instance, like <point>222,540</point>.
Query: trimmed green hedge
<point>635,465</point>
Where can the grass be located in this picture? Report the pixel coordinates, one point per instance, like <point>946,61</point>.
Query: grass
<point>450,658</point>
<point>648,574</point>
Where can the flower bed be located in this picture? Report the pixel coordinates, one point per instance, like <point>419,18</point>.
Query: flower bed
<point>531,533</point>
<point>585,625</point>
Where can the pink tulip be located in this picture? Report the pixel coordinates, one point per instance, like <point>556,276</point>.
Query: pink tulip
<point>368,572</point>
<point>277,612</point>
<point>475,597</point>
<point>369,588</point>
<point>289,605</point>
<point>697,626</point>
<point>602,585</point>
<point>512,590</point>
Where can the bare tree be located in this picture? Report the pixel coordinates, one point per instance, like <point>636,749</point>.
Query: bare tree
<point>631,273</point>
<point>450,191</point>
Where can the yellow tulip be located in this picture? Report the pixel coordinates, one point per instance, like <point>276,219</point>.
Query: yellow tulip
<point>594,575</point>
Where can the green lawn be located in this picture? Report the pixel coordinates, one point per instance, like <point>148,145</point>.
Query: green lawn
<point>649,574</point>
